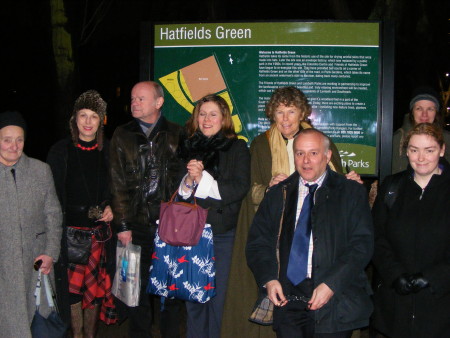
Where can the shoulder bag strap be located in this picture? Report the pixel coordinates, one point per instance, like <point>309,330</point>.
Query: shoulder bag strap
<point>49,292</point>
<point>37,292</point>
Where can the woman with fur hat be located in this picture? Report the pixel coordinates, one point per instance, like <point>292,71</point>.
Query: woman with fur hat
<point>79,166</point>
<point>424,107</point>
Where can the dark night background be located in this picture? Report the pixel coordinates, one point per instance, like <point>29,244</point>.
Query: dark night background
<point>106,49</point>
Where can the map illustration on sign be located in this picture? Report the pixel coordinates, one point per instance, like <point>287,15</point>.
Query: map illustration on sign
<point>189,84</point>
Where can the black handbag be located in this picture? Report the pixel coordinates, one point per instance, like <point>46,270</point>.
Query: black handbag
<point>52,326</point>
<point>79,244</point>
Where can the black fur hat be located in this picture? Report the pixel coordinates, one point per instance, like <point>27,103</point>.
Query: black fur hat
<point>91,100</point>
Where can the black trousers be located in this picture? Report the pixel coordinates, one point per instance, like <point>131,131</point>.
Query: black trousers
<point>295,320</point>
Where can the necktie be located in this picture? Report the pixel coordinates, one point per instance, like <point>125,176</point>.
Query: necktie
<point>298,257</point>
<point>13,172</point>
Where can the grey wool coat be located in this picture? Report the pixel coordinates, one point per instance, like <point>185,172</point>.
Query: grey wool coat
<point>30,225</point>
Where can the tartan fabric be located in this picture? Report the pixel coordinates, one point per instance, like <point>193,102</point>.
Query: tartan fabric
<point>263,312</point>
<point>93,282</point>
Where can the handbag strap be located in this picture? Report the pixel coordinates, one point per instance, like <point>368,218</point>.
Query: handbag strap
<point>48,292</point>
<point>37,292</point>
<point>172,199</point>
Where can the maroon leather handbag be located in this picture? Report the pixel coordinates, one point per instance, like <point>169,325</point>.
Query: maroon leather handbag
<point>181,223</point>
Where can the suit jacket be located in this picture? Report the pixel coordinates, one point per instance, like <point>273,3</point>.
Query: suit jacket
<point>343,245</point>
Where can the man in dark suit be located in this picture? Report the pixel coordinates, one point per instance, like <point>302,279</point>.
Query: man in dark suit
<point>318,283</point>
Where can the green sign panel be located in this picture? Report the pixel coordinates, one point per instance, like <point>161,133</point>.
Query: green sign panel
<point>336,64</point>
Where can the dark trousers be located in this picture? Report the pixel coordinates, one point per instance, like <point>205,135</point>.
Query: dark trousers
<point>295,320</point>
<point>204,320</point>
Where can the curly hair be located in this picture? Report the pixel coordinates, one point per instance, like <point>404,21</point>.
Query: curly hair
<point>429,129</point>
<point>289,96</point>
<point>227,121</point>
<point>91,100</point>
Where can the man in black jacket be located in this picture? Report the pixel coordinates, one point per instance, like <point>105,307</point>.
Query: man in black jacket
<point>332,297</point>
<point>144,171</point>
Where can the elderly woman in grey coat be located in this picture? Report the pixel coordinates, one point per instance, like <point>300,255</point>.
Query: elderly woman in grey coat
<point>30,225</point>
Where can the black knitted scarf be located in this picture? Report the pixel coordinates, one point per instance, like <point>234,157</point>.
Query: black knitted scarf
<point>205,149</point>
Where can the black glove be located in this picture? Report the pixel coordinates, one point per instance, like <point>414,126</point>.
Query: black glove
<point>418,282</point>
<point>402,285</point>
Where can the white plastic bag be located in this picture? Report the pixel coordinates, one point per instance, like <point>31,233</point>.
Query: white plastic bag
<point>127,280</point>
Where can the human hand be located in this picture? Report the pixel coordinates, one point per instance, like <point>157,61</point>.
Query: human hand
<point>275,293</point>
<point>402,285</point>
<point>125,237</point>
<point>46,265</point>
<point>418,282</point>
<point>321,295</point>
<point>107,215</point>
<point>352,175</point>
<point>195,171</point>
<point>277,179</point>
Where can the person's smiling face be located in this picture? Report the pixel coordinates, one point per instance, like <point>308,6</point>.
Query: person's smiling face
<point>287,120</point>
<point>423,154</point>
<point>88,122</point>
<point>210,119</point>
<point>12,141</point>
<point>424,111</point>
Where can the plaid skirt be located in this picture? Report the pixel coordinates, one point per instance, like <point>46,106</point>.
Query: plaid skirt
<point>92,282</point>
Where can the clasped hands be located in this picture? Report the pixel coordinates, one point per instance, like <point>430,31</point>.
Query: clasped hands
<point>195,172</point>
<point>410,283</point>
<point>320,296</point>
